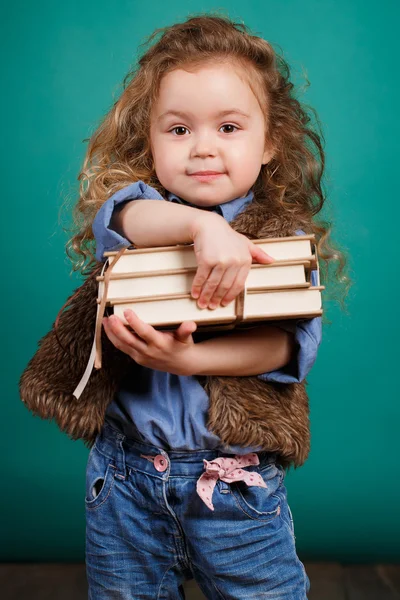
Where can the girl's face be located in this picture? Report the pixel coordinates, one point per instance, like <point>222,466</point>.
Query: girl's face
<point>207,120</point>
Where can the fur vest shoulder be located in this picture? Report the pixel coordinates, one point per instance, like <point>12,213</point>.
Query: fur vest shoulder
<point>243,411</point>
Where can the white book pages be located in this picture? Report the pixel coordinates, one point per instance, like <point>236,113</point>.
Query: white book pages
<point>181,283</point>
<point>175,311</point>
<point>178,257</point>
<point>275,276</point>
<point>257,305</point>
<point>181,256</point>
<point>287,250</point>
<point>136,287</point>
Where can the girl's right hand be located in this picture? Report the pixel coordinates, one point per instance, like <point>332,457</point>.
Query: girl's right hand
<point>224,259</point>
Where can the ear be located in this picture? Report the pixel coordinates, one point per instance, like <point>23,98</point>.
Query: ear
<point>268,155</point>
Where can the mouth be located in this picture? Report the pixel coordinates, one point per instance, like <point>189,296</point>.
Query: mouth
<point>206,175</point>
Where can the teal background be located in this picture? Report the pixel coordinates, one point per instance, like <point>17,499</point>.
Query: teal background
<point>63,66</point>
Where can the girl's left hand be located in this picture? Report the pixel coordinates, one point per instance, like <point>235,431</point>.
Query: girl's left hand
<point>171,351</point>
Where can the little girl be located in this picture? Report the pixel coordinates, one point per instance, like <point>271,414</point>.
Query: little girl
<point>206,126</point>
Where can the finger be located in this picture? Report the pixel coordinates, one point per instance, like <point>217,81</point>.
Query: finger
<point>201,276</point>
<point>124,337</point>
<point>237,286</point>
<point>259,255</point>
<point>185,330</point>
<point>114,338</point>
<point>211,284</point>
<point>145,331</point>
<point>224,286</point>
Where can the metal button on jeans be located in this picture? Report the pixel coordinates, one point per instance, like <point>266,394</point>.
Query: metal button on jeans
<point>160,463</point>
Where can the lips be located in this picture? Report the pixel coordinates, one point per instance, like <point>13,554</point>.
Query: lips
<point>206,177</point>
<point>207,173</point>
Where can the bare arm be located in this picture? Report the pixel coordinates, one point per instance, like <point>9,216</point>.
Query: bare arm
<point>243,353</point>
<point>150,223</point>
<point>223,255</point>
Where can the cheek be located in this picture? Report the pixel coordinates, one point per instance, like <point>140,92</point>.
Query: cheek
<point>165,164</point>
<point>160,150</point>
<point>169,157</point>
<point>245,164</point>
<point>246,156</point>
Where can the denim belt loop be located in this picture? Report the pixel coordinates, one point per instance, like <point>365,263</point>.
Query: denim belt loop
<point>120,460</point>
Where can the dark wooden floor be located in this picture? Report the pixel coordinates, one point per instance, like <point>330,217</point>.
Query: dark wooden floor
<point>329,581</point>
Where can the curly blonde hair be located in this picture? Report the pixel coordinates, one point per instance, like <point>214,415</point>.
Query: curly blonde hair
<point>119,151</point>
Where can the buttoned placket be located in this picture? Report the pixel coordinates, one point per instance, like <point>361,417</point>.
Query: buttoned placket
<point>160,461</point>
<point>162,464</point>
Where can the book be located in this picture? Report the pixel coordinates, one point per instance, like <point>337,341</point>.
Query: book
<point>151,284</point>
<point>156,284</point>
<point>140,260</point>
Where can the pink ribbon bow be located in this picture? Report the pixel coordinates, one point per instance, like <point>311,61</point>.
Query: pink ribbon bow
<point>228,470</point>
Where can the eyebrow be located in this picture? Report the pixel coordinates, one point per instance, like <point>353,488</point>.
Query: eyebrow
<point>223,113</point>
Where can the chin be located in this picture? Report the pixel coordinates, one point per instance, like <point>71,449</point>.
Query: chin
<point>206,202</point>
<point>210,197</point>
<point>201,200</point>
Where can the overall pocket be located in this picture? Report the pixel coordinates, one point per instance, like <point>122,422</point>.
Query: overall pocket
<point>100,478</point>
<point>259,503</point>
<point>286,513</point>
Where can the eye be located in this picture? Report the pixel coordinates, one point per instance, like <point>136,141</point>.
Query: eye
<point>178,127</point>
<point>229,125</point>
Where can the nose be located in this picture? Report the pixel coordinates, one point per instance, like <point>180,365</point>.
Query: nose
<point>203,144</point>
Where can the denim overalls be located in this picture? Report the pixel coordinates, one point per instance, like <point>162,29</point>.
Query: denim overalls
<point>147,529</point>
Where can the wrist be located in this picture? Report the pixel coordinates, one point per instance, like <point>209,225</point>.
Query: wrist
<point>201,219</point>
<point>191,361</point>
<point>200,359</point>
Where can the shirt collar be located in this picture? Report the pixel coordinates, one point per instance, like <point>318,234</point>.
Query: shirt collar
<point>229,210</point>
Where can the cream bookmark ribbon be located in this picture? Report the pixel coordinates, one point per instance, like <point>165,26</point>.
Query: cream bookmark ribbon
<point>95,353</point>
<point>89,367</point>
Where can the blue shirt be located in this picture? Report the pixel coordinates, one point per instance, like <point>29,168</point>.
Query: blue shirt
<point>170,411</point>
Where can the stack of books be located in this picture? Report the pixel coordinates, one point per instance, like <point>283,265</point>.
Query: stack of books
<point>156,284</point>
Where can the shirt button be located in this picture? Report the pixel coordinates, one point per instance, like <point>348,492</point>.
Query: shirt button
<point>160,463</point>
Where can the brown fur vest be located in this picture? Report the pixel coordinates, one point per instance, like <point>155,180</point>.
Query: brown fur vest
<point>243,410</point>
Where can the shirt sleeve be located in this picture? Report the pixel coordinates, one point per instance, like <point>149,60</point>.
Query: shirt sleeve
<point>307,334</point>
<point>107,239</point>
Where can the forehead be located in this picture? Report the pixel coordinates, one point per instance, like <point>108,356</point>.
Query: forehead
<point>219,87</point>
